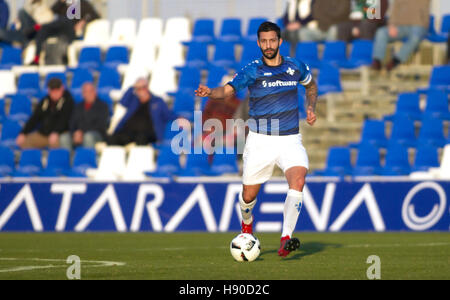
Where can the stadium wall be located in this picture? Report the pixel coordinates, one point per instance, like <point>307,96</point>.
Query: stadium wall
<point>331,206</point>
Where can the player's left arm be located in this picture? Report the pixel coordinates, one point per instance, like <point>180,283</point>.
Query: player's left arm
<point>311,99</point>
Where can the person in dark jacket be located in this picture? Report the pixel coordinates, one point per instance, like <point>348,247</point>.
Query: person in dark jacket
<point>4,14</point>
<point>49,120</point>
<point>144,119</point>
<point>89,122</point>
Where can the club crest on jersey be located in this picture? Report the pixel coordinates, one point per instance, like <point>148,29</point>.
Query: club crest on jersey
<point>290,71</point>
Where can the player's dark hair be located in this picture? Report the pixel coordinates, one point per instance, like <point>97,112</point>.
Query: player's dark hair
<point>269,26</point>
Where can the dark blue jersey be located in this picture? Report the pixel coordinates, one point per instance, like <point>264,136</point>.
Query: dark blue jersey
<point>273,94</point>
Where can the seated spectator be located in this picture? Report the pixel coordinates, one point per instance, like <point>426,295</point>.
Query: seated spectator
<point>4,14</point>
<point>298,14</point>
<point>326,14</point>
<point>63,27</point>
<point>408,23</point>
<point>144,117</point>
<point>49,120</point>
<point>89,122</point>
<point>364,20</point>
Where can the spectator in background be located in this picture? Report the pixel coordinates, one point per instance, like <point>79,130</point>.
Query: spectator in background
<point>298,14</point>
<point>4,14</point>
<point>63,27</point>
<point>89,121</point>
<point>407,21</point>
<point>326,14</point>
<point>49,120</point>
<point>144,117</point>
<point>448,49</point>
<point>365,18</point>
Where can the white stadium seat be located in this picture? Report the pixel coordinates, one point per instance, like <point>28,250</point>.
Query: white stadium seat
<point>178,30</point>
<point>123,32</point>
<point>7,83</point>
<point>97,33</point>
<point>111,166</point>
<point>171,54</point>
<point>150,31</point>
<point>163,81</point>
<point>140,160</point>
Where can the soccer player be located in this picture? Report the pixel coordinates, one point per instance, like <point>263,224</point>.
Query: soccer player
<point>274,137</point>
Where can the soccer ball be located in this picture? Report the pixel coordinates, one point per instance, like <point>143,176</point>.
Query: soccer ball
<point>245,247</point>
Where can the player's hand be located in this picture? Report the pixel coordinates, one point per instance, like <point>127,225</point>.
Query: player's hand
<point>311,116</point>
<point>203,91</point>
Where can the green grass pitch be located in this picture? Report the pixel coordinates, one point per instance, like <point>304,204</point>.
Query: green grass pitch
<point>206,256</point>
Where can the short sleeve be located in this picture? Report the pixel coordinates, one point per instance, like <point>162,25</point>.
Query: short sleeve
<point>305,74</point>
<point>243,78</point>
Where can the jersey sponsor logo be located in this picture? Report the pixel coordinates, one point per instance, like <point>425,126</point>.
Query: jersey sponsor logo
<point>290,71</point>
<point>278,83</point>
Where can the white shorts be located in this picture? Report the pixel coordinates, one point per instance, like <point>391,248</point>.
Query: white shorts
<point>262,152</point>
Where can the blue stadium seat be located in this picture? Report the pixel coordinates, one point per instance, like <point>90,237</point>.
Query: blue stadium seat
<point>437,105</point>
<point>397,161</point>
<point>338,162</point>
<point>196,165</point>
<point>329,80</point>
<point>189,80</point>
<point>308,52</point>
<point>7,164</point>
<point>116,56</point>
<point>184,105</point>
<point>361,55</point>
<point>440,79</point>
<point>432,133</point>
<point>250,51</point>
<point>433,35</point>
<point>58,163</point>
<point>167,163</point>
<point>80,77</point>
<point>84,159</point>
<point>203,31</point>
<point>280,23</point>
<point>426,157</point>
<point>197,56</point>
<point>408,105</point>
<point>10,130</point>
<point>215,76</point>
<point>90,58</point>
<point>253,26</point>
<point>231,30</point>
<point>109,80</point>
<point>30,164</point>
<point>2,110</point>
<point>373,134</point>
<point>20,109</point>
<point>59,75</point>
<point>224,55</point>
<point>403,132</point>
<point>29,85</point>
<point>169,134</point>
<point>367,162</point>
<point>11,57</point>
<point>224,164</point>
<point>285,49</point>
<point>335,53</point>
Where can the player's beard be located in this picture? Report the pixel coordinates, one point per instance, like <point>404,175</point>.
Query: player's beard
<point>275,53</point>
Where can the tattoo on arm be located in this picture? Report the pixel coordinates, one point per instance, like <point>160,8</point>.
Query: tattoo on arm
<point>311,95</point>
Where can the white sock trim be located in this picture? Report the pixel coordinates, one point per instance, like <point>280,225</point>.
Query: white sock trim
<point>294,193</point>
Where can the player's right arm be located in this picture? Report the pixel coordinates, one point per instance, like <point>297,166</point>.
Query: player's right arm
<point>215,93</point>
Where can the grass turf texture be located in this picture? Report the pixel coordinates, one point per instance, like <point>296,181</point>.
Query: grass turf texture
<point>207,256</point>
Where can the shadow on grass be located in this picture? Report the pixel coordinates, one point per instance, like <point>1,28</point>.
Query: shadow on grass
<point>306,249</point>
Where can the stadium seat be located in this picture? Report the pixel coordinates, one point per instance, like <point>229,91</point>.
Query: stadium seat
<point>197,55</point>
<point>224,164</point>
<point>403,132</point>
<point>184,105</point>
<point>59,75</point>
<point>10,130</point>
<point>442,36</point>
<point>30,164</point>
<point>109,80</point>
<point>196,165</point>
<point>215,76</point>
<point>97,33</point>
<point>250,51</point>
<point>80,77</point>
<point>373,134</point>
<point>10,57</point>
<point>408,105</point>
<point>90,58</point>
<point>203,31</point>
<point>338,162</point>
<point>252,29</point>
<point>123,32</point>
<point>329,80</point>
<point>335,53</point>
<point>83,160</point>
<point>224,55</point>
<point>171,54</point>
<point>58,163</point>
<point>2,110</point>
<point>178,29</point>
<point>8,83</point>
<point>29,85</point>
<point>443,172</point>
<point>437,105</point>
<point>285,49</point>
<point>20,109</point>
<point>397,163</point>
<point>440,80</point>
<point>150,31</point>
<point>189,80</point>
<point>426,158</point>
<point>116,56</point>
<point>140,161</point>
<point>7,164</point>
<point>111,166</point>
<point>167,163</point>
<point>367,162</point>
<point>231,30</point>
<point>165,82</point>
<point>432,133</point>
<point>361,55</point>
<point>308,53</point>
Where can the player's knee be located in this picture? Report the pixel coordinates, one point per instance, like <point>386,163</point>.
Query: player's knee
<point>248,197</point>
<point>298,184</point>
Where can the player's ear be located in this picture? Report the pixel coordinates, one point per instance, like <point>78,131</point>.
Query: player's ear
<point>280,41</point>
